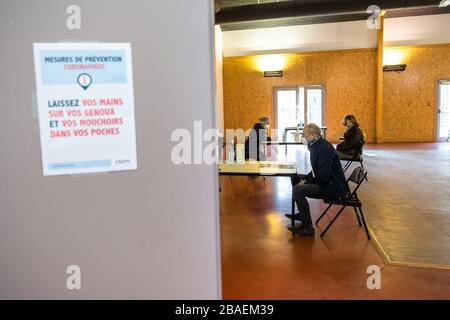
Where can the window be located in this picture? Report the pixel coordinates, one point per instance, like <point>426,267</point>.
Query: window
<point>298,106</point>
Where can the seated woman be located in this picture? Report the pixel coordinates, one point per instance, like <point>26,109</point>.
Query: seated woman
<point>254,142</point>
<point>353,138</point>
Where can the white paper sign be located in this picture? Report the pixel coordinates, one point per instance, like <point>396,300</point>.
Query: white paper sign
<point>86,107</point>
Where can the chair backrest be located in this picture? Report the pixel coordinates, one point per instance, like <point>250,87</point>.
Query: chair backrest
<point>359,148</point>
<point>358,176</point>
<point>362,142</point>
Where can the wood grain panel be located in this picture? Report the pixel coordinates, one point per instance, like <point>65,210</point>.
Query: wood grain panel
<point>349,79</point>
<point>410,96</point>
<point>347,76</point>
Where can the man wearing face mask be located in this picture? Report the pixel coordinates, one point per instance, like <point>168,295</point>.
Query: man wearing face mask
<point>254,142</point>
<point>326,180</point>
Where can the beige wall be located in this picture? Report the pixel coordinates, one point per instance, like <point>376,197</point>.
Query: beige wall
<point>409,97</point>
<point>347,76</point>
<point>349,81</point>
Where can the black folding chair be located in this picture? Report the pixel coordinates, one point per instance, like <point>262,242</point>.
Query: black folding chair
<point>356,157</point>
<point>351,200</point>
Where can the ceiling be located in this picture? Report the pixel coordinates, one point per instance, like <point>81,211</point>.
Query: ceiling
<point>235,3</point>
<point>253,14</point>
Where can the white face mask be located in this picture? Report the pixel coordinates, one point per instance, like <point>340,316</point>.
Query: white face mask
<point>304,141</point>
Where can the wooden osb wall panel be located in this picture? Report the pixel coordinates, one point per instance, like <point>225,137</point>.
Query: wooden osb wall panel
<point>410,96</point>
<point>351,90</point>
<point>348,78</point>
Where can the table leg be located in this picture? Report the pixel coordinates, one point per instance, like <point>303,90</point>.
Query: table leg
<point>284,140</point>
<point>292,217</point>
<point>292,208</point>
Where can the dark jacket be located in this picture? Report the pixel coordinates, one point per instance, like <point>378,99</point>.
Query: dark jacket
<point>253,144</point>
<point>327,169</point>
<point>352,143</point>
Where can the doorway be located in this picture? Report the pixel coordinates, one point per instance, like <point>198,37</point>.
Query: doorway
<point>443,111</point>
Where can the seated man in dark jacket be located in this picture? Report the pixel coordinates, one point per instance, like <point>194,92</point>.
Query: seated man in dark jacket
<point>326,180</point>
<point>352,140</point>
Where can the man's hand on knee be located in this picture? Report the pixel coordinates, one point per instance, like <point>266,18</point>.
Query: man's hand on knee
<point>298,178</point>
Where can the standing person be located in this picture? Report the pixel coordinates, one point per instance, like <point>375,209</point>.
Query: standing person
<point>258,135</point>
<point>326,180</point>
<point>352,140</point>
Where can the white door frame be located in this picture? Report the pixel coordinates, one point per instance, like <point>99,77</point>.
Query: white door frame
<point>436,113</point>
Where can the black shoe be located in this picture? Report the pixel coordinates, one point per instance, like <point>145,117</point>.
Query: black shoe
<point>304,231</point>
<point>296,216</point>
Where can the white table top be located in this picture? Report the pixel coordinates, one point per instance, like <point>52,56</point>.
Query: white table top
<point>259,168</point>
<point>301,128</point>
<point>281,142</point>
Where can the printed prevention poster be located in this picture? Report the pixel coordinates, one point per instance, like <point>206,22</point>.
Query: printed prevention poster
<point>86,107</point>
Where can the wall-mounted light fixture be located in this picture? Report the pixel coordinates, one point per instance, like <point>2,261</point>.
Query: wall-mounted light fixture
<point>271,65</point>
<point>394,67</point>
<point>393,60</point>
<point>276,73</point>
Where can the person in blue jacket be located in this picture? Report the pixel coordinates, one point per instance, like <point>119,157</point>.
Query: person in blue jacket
<point>325,181</point>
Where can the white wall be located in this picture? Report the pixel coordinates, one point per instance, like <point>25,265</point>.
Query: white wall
<point>418,30</point>
<point>219,77</point>
<point>316,37</point>
<point>337,36</point>
<point>145,234</point>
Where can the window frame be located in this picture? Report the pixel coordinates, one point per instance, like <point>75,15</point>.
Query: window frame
<point>437,106</point>
<point>275,90</point>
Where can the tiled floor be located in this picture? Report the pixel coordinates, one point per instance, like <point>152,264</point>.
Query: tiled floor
<point>261,260</point>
